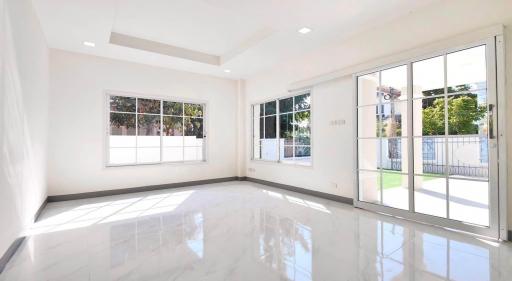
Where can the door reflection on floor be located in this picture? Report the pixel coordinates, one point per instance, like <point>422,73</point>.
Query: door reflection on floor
<point>397,253</point>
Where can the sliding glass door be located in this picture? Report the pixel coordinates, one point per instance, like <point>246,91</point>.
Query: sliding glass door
<point>426,139</point>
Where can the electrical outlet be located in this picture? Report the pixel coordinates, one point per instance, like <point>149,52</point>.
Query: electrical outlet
<point>334,185</point>
<point>251,170</point>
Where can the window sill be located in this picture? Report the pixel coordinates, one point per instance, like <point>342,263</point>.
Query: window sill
<point>281,163</point>
<point>200,162</point>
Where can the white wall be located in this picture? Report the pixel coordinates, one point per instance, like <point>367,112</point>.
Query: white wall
<point>23,118</point>
<point>78,113</point>
<point>333,155</point>
<point>332,144</point>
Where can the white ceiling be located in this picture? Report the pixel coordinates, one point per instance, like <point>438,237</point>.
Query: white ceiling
<point>249,36</point>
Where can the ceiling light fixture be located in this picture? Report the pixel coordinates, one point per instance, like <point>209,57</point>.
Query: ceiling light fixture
<point>227,70</point>
<point>304,30</point>
<point>89,44</point>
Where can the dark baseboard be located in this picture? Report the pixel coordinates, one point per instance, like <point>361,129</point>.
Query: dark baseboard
<point>4,260</point>
<point>323,195</point>
<point>38,213</point>
<point>67,197</point>
<point>86,195</point>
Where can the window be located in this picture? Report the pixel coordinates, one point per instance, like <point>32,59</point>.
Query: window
<point>143,130</point>
<point>282,130</point>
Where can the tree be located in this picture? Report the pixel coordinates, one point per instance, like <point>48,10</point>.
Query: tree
<point>464,113</point>
<point>433,118</point>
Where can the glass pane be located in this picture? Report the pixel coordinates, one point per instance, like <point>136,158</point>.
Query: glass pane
<point>149,125</point>
<point>270,108</point>
<point>148,135</point>
<point>269,149</point>
<point>193,131</point>
<point>193,110</point>
<point>286,152</point>
<point>302,151</point>
<point>122,141</point>
<point>430,195</point>
<point>286,128</point>
<point>302,128</point>
<point>262,128</point>
<point>395,192</point>
<point>257,151</point>
<point>367,86</point>
<point>467,114</point>
<point>302,155</point>
<point>369,154</point>
<point>193,153</point>
<point>262,109</point>
<point>148,154</point>
<point>148,141</point>
<point>270,127</point>
<point>394,154</point>
<point>394,119</point>
<point>257,127</point>
<point>468,156</point>
<point>123,104</point>
<point>122,124</point>
<point>302,102</point>
<point>173,131</point>
<point>172,141</point>
<point>469,201</point>
<point>428,77</point>
<point>148,106</point>
<point>430,156</point>
<point>173,108</point>
<point>172,154</point>
<point>466,70</point>
<point>369,187</point>
<point>118,156</point>
<point>367,124</point>
<point>286,105</point>
<point>173,126</point>
<point>394,83</point>
<point>429,117</point>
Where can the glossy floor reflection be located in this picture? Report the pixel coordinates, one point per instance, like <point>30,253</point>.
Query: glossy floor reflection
<point>243,231</point>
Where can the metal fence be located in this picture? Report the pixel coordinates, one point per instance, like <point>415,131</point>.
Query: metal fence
<point>467,155</point>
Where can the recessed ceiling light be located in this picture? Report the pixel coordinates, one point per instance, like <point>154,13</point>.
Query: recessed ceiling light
<point>304,30</point>
<point>227,70</point>
<point>89,44</point>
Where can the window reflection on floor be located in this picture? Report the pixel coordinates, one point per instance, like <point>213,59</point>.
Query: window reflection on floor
<point>194,233</point>
<point>298,201</point>
<point>151,234</point>
<point>107,211</point>
<point>286,246</point>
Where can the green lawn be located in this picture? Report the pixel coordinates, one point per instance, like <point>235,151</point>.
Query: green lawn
<point>394,180</point>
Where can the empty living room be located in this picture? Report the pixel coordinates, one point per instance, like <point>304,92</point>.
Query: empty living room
<point>255,140</point>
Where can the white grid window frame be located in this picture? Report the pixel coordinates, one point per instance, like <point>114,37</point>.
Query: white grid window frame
<point>202,148</point>
<point>294,145</point>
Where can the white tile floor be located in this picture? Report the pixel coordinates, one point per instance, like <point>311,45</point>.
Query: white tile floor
<point>243,231</point>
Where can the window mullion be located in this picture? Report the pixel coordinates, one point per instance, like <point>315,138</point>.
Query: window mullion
<point>293,131</point>
<point>136,130</point>
<point>446,134</point>
<point>183,131</point>
<point>278,132</point>
<point>161,129</point>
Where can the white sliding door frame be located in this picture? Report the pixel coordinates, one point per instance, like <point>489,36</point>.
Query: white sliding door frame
<point>497,161</point>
